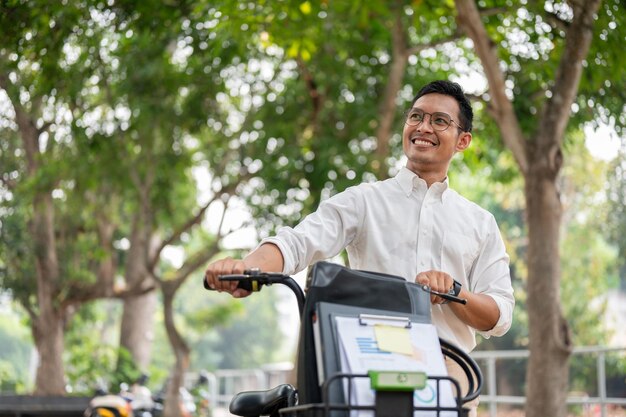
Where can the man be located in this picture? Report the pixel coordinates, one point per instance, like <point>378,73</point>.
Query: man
<point>412,225</point>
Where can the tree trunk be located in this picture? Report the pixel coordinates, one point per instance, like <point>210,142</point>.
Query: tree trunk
<point>47,325</point>
<point>172,406</point>
<point>48,335</point>
<point>137,329</point>
<point>550,344</point>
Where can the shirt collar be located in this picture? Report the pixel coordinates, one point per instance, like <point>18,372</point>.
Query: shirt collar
<point>408,181</point>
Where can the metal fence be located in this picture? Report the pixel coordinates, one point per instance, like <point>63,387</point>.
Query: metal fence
<point>227,382</point>
<point>488,361</point>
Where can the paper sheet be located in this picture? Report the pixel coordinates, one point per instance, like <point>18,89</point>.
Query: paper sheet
<point>361,352</point>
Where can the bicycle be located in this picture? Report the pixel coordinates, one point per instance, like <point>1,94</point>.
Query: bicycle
<point>394,390</point>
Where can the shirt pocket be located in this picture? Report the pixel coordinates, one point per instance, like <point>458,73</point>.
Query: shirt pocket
<point>458,254</point>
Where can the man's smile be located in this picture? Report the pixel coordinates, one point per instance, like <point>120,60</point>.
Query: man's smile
<point>421,140</point>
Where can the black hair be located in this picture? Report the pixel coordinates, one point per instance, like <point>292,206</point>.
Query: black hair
<point>455,91</point>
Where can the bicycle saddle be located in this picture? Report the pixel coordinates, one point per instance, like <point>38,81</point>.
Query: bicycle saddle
<point>263,403</point>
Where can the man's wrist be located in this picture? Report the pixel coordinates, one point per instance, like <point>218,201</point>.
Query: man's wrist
<point>455,290</point>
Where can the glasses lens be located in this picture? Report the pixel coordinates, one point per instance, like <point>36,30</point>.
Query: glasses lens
<point>414,117</point>
<point>438,121</point>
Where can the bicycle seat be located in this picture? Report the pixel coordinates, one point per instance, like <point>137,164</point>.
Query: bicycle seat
<point>263,403</point>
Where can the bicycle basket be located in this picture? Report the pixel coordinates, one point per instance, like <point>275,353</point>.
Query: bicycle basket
<point>328,282</point>
<point>387,404</point>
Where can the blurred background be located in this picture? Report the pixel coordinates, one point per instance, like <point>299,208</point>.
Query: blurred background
<point>141,140</point>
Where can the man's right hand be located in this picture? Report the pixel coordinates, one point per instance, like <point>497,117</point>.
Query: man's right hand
<point>226,266</point>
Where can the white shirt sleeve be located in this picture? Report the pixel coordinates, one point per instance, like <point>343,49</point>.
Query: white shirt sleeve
<point>491,276</point>
<point>322,234</point>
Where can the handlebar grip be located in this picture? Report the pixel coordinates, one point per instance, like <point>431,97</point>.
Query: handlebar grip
<point>247,284</point>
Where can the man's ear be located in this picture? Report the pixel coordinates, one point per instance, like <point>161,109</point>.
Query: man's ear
<point>463,142</point>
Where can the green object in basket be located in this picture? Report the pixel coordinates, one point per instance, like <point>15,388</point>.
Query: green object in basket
<point>397,380</point>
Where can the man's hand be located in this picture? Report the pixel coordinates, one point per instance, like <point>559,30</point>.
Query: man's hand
<point>266,257</point>
<point>481,311</point>
<point>437,281</point>
<point>226,266</point>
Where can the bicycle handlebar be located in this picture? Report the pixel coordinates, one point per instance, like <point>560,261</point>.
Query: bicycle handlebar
<point>254,279</point>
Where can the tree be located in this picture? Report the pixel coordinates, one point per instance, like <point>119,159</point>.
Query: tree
<point>24,76</point>
<point>97,180</point>
<point>536,144</point>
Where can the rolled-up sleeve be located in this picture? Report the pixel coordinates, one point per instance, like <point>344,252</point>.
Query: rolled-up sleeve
<point>492,277</point>
<point>503,325</point>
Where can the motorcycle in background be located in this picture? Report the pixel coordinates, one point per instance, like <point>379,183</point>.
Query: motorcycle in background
<point>138,401</point>
<point>109,405</point>
<point>133,401</point>
<point>143,403</point>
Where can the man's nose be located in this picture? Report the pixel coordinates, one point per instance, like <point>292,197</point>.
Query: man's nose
<point>425,125</point>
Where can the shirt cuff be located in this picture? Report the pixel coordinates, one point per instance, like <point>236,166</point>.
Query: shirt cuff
<point>504,321</point>
<point>288,261</point>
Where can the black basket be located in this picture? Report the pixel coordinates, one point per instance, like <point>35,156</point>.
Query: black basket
<point>332,283</point>
<point>387,404</point>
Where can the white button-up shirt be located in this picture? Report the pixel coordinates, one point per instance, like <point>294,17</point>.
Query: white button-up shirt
<point>402,227</point>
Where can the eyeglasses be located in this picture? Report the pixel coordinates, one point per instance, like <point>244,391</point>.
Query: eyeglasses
<point>438,120</point>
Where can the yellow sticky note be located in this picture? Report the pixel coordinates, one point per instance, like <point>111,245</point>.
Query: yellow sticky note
<point>393,339</point>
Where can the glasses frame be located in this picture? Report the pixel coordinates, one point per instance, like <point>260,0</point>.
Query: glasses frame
<point>406,119</point>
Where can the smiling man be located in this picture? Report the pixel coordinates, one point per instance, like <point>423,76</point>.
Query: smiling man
<point>413,225</point>
<point>431,137</point>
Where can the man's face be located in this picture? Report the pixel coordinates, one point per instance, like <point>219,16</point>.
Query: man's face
<point>429,151</point>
